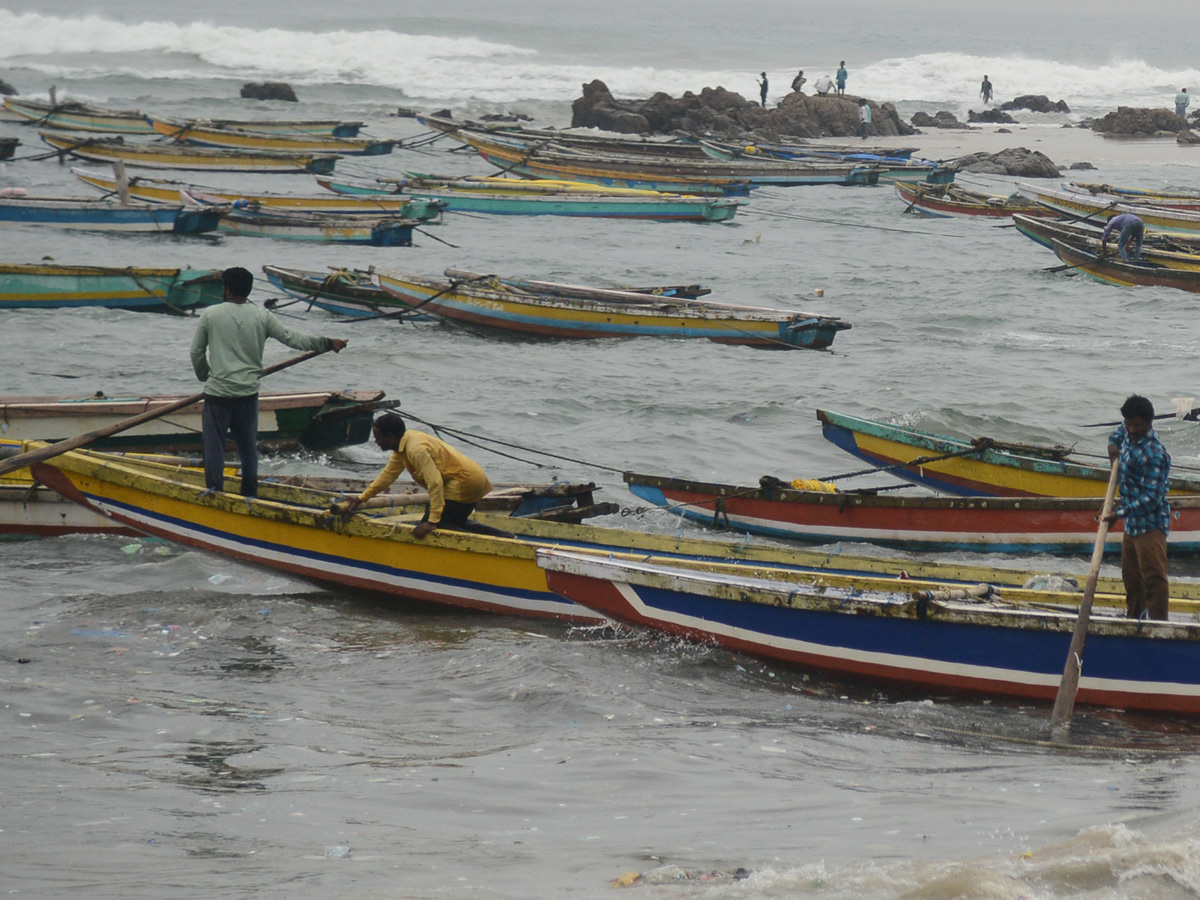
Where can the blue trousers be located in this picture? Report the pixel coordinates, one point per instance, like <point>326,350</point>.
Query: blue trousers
<point>1133,231</point>
<point>237,417</point>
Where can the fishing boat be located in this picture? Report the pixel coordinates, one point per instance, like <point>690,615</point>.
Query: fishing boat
<point>95,214</point>
<point>71,116</point>
<point>51,286</point>
<point>948,200</point>
<point>327,228</point>
<point>166,190</point>
<point>975,642</point>
<point>917,522</point>
<point>888,168</point>
<point>171,156</point>
<point>211,134</point>
<point>1111,269</point>
<point>483,301</point>
<point>1140,196</point>
<point>292,529</point>
<point>1071,203</point>
<point>973,467</point>
<point>511,197</point>
<point>1172,251</point>
<point>345,292</point>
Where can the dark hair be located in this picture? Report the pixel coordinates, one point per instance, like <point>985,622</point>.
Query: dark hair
<point>1138,407</point>
<point>238,281</point>
<point>390,423</point>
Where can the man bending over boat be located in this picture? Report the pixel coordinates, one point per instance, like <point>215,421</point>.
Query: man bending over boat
<point>1145,469</point>
<point>227,354</point>
<point>455,482</point>
<point>1131,228</point>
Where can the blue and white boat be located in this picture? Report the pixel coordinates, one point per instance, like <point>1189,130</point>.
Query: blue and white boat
<point>101,214</point>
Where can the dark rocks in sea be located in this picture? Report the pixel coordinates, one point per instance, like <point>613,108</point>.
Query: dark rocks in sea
<point>1018,161</point>
<point>940,119</point>
<point>7,89</point>
<point>990,117</point>
<point>1081,165</point>
<point>1036,103</point>
<point>1187,136</point>
<point>269,90</point>
<point>725,114</point>
<point>1139,120</point>
<point>505,117</point>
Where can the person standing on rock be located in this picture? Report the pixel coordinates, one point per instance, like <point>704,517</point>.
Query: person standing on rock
<point>841,75</point>
<point>864,116</point>
<point>1181,102</point>
<point>798,81</point>
<point>762,89</point>
<point>985,90</point>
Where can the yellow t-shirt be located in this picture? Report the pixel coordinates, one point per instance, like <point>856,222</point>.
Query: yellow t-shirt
<point>437,467</point>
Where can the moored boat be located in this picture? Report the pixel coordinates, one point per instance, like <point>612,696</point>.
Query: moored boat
<point>1086,206</point>
<point>167,156</point>
<point>97,214</point>
<point>347,292</point>
<point>51,286</point>
<point>71,116</point>
<point>241,137</point>
<point>328,228</point>
<point>947,200</point>
<point>1172,251</point>
<point>971,642</point>
<point>1111,269</point>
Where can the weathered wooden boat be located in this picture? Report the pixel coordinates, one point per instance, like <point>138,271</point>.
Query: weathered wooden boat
<point>211,134</point>
<point>346,292</point>
<point>8,147</point>
<point>166,190</point>
<point>71,116</point>
<point>1062,525</point>
<point>947,200</point>
<point>488,303</point>
<point>1173,251</point>
<point>287,420</point>
<point>1140,196</point>
<point>888,169</point>
<point>170,156</point>
<point>291,529</point>
<point>96,214</point>
<point>1111,269</point>
<point>1070,203</point>
<point>973,467</point>
<point>939,641</point>
<point>327,228</point>
<point>51,286</point>
<point>525,198</point>
<point>500,184</point>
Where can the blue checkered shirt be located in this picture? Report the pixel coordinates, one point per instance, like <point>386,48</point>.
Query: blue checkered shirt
<point>1145,470</point>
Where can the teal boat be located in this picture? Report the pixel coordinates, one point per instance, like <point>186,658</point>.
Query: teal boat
<point>37,286</point>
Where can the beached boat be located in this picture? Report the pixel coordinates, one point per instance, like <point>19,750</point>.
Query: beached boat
<point>973,467</point>
<point>1173,251</point>
<point>489,303</point>
<point>510,197</point>
<point>1111,269</point>
<point>327,228</point>
<point>939,642</point>
<point>172,156</point>
<point>905,522</point>
<point>1087,206</point>
<point>211,134</point>
<point>71,116</point>
<point>166,190</point>
<point>287,420</point>
<point>947,200</point>
<point>97,214</point>
<point>51,286</point>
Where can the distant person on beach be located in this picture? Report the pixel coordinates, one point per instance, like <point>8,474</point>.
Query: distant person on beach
<point>1129,228</point>
<point>864,116</point>
<point>1181,102</point>
<point>762,89</point>
<point>824,85</point>
<point>1143,481</point>
<point>798,81</point>
<point>985,90</point>
<point>841,76</point>
<point>455,482</point>
<point>227,352</point>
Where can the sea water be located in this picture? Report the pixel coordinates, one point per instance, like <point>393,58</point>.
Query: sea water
<point>176,723</point>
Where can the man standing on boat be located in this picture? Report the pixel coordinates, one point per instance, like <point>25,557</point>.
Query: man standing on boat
<point>841,76</point>
<point>1143,482</point>
<point>1129,228</point>
<point>455,482</point>
<point>227,353</point>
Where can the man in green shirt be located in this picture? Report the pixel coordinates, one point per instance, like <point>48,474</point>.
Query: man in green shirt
<point>227,352</point>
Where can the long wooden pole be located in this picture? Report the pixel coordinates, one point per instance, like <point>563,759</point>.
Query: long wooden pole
<point>23,460</point>
<point>1064,703</point>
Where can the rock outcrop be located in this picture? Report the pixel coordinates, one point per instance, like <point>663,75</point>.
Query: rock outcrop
<point>727,115</point>
<point>940,119</point>
<point>1036,103</point>
<point>1017,161</point>
<point>1187,136</point>
<point>7,89</point>
<point>990,117</point>
<point>1139,120</point>
<point>269,90</point>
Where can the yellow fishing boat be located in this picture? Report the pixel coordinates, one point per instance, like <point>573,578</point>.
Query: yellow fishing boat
<point>207,134</point>
<point>168,156</point>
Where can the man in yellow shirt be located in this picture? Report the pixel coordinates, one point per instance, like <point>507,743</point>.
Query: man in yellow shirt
<point>455,483</point>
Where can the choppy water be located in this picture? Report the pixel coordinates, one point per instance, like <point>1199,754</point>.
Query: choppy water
<point>182,724</point>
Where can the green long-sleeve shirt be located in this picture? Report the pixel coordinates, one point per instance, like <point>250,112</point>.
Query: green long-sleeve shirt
<point>227,348</point>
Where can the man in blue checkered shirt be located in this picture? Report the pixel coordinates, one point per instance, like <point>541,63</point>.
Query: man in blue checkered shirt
<point>1145,470</point>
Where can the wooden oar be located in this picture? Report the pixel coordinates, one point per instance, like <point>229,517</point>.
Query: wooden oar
<point>1064,703</point>
<point>23,460</point>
